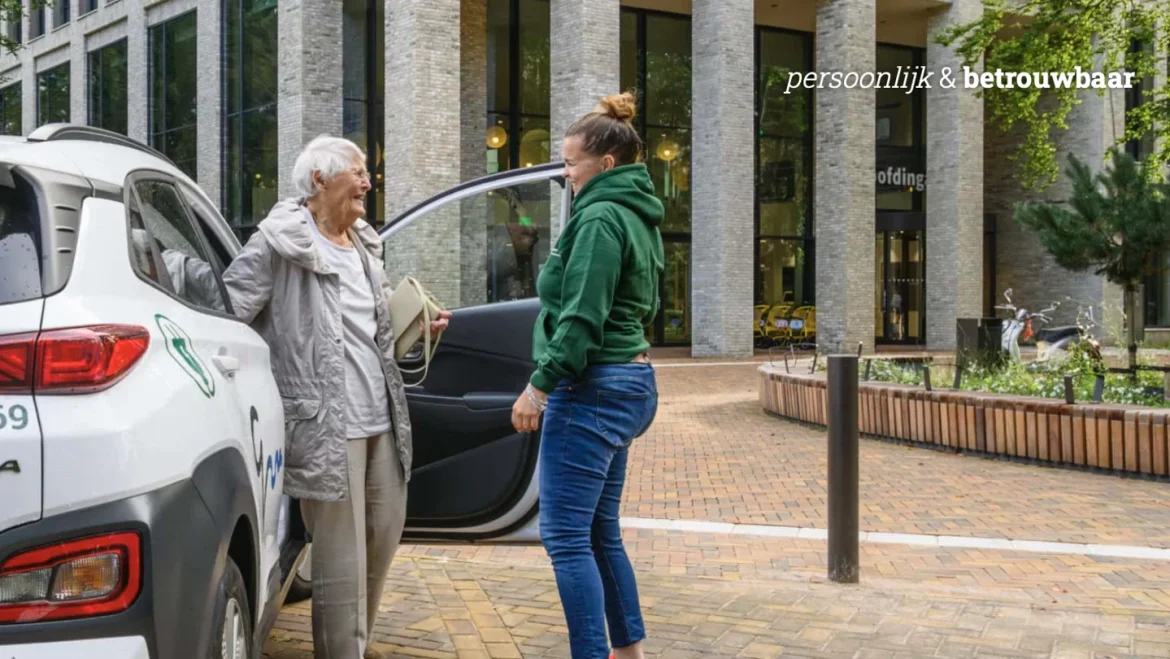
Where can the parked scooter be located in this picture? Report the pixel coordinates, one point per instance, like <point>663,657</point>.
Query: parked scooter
<point>1052,343</point>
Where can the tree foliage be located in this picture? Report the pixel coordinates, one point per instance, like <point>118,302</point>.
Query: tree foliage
<point>14,11</point>
<point>1117,224</point>
<point>1059,36</point>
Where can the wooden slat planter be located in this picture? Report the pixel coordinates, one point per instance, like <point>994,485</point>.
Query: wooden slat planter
<point>1116,438</point>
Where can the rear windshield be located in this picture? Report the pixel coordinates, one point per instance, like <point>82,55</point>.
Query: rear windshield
<point>20,244</point>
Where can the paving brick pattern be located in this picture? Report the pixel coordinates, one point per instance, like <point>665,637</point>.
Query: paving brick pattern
<point>713,455</point>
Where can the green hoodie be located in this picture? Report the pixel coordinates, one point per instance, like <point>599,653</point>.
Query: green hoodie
<point>599,289</point>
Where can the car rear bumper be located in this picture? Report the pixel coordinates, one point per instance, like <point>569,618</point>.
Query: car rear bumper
<point>127,647</point>
<point>170,617</point>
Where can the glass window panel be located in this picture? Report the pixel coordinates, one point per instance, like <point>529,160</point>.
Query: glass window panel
<point>10,109</point>
<point>629,51</point>
<point>534,57</point>
<point>782,187</point>
<point>354,30</point>
<point>259,166</point>
<point>251,60</point>
<point>785,272</point>
<point>535,141</point>
<point>668,71</point>
<point>895,108</point>
<point>258,52</point>
<point>499,56</point>
<point>180,146</point>
<point>781,114</point>
<point>53,104</point>
<point>108,88</point>
<point>517,239</point>
<point>163,236</point>
<point>669,162</point>
<point>499,151</point>
<point>181,77</point>
<point>676,293</point>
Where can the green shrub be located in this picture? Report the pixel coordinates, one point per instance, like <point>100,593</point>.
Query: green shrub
<point>1033,379</point>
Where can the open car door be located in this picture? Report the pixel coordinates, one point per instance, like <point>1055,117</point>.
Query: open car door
<point>474,477</point>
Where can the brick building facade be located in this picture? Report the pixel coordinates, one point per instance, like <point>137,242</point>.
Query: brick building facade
<point>887,212</point>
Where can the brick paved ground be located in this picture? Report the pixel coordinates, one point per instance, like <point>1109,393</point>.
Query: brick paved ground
<point>712,455</point>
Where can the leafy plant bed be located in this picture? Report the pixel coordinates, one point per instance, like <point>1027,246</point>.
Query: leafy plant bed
<point>1030,379</point>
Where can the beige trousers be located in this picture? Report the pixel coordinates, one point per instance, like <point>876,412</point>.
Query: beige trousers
<point>354,541</point>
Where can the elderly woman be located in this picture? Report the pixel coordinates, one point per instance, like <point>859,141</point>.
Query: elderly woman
<point>311,281</point>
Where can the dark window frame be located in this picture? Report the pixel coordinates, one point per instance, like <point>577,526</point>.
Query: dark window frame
<point>36,23</point>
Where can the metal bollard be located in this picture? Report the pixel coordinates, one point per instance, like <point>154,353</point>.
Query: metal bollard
<point>1099,388</point>
<point>958,377</point>
<point>842,481</point>
<point>1068,390</point>
<point>926,377</point>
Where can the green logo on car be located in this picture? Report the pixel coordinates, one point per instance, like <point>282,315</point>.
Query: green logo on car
<point>180,348</point>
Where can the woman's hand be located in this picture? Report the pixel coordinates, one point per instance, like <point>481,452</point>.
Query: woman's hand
<point>525,413</point>
<point>437,326</point>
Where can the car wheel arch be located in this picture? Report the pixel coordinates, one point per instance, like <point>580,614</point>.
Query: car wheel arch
<point>224,482</point>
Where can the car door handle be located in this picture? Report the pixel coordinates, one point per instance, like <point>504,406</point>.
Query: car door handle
<point>226,365</point>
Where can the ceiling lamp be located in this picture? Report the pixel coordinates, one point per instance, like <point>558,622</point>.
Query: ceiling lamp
<point>497,137</point>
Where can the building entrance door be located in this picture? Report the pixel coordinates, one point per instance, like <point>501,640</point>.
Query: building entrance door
<point>900,289</point>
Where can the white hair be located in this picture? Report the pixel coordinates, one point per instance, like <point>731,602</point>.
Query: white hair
<point>327,156</point>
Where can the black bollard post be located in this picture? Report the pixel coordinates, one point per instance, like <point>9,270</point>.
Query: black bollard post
<point>1099,388</point>
<point>958,377</point>
<point>842,482</point>
<point>868,363</point>
<point>1068,390</point>
<point>926,377</point>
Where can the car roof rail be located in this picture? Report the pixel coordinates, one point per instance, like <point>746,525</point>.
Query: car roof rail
<point>67,131</point>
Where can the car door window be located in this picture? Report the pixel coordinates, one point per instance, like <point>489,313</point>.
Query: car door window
<point>168,247</point>
<point>506,234</point>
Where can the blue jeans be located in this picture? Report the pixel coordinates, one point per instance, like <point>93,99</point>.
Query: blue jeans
<point>588,428</point>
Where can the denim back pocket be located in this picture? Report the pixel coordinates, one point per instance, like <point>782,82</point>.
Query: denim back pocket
<point>624,412</point>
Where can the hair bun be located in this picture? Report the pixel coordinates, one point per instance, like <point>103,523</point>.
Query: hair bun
<point>622,106</point>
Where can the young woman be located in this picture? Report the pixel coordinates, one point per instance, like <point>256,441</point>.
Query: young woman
<point>593,381</point>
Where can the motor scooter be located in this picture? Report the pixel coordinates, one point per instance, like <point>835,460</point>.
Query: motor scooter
<point>1051,342</point>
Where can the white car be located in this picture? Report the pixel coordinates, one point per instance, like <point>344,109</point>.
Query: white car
<point>142,433</point>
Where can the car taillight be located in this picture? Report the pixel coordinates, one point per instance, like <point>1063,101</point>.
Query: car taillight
<point>16,362</point>
<point>70,361</point>
<point>80,578</point>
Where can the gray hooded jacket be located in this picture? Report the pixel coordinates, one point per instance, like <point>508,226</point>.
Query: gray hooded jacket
<point>280,284</point>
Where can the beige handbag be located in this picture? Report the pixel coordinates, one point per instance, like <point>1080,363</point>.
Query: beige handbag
<point>410,303</point>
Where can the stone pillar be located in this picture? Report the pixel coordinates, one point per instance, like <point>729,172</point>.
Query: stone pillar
<point>584,67</point>
<point>78,77</point>
<point>722,217</point>
<point>473,118</point>
<point>137,86</point>
<point>954,197</point>
<point>422,152</point>
<point>28,93</point>
<point>309,80</point>
<point>209,103</point>
<point>845,191</point>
